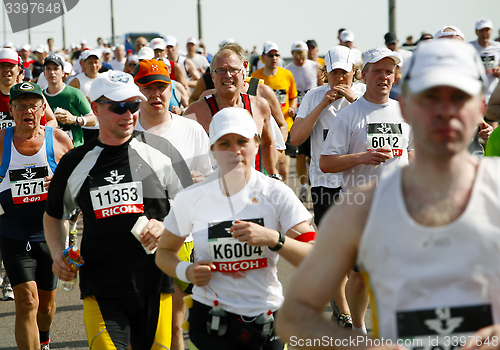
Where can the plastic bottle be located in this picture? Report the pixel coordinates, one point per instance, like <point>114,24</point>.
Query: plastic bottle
<point>72,256</point>
<point>217,320</point>
<point>266,319</point>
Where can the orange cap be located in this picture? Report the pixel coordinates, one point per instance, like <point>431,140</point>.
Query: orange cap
<point>151,71</point>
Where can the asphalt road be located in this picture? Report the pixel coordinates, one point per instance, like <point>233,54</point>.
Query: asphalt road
<point>68,330</point>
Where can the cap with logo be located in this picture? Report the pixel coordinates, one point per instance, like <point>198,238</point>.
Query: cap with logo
<point>54,59</point>
<point>151,71</point>
<point>339,57</point>
<point>445,63</point>
<point>25,88</point>
<point>158,44</point>
<point>346,36</point>
<point>483,23</point>
<point>9,56</point>
<point>115,85</point>
<point>270,46</point>
<point>232,120</point>
<point>299,45</point>
<point>390,38</point>
<point>375,55</point>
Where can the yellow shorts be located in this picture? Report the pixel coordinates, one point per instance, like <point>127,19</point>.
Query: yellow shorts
<point>185,254</point>
<point>114,323</point>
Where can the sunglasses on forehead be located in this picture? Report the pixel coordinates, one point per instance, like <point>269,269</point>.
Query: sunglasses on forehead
<point>122,107</point>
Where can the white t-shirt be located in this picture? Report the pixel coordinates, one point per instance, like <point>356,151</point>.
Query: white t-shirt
<point>118,65</point>
<point>491,59</point>
<point>191,141</point>
<point>200,61</point>
<point>320,131</point>
<point>200,207</point>
<point>306,76</point>
<point>363,126</point>
<point>358,55</point>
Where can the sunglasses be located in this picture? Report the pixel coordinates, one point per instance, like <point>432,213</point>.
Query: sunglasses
<point>122,107</point>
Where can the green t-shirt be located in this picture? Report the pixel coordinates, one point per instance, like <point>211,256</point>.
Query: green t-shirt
<point>493,145</point>
<point>75,102</point>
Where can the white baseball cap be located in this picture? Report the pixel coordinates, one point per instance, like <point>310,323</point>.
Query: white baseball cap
<point>339,57</point>
<point>346,36</point>
<point>87,53</point>
<point>270,46</point>
<point>375,55</point>
<point>115,85</point>
<point>170,40</point>
<point>158,44</point>
<point>9,56</point>
<point>299,45</point>
<point>67,67</point>
<point>483,23</point>
<point>26,47</point>
<point>42,48</point>
<point>145,53</point>
<point>445,63</point>
<point>452,30</point>
<point>232,120</point>
<point>192,40</point>
<point>83,42</point>
<point>9,44</point>
<point>398,55</point>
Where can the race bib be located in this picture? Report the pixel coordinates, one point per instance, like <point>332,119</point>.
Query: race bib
<point>6,120</point>
<point>116,197</point>
<point>27,186</point>
<point>229,254</point>
<point>300,96</point>
<point>383,134</point>
<point>489,63</point>
<point>443,328</point>
<point>281,95</point>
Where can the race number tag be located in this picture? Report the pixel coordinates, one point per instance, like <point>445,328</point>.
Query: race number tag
<point>489,63</point>
<point>281,95</point>
<point>26,185</point>
<point>6,120</point>
<point>443,328</point>
<point>229,254</point>
<point>116,197</point>
<point>383,134</point>
<point>300,96</point>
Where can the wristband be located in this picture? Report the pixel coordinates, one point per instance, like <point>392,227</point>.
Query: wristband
<point>281,241</point>
<point>84,121</point>
<point>181,269</point>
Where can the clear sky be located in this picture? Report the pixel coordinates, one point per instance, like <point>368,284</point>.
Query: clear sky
<point>253,22</point>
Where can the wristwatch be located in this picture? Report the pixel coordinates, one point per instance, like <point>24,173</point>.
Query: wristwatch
<point>78,120</point>
<point>276,176</point>
<point>281,241</point>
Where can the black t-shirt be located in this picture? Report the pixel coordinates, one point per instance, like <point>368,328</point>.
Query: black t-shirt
<point>113,186</point>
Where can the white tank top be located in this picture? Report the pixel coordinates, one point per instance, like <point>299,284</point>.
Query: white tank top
<point>85,83</point>
<point>427,282</point>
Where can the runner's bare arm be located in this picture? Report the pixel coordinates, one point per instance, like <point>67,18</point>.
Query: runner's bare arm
<point>55,235</point>
<point>334,254</point>
<point>337,163</point>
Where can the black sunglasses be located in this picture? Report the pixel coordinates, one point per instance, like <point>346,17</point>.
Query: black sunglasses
<point>122,107</point>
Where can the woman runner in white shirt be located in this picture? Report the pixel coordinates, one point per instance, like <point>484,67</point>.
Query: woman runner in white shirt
<point>239,219</point>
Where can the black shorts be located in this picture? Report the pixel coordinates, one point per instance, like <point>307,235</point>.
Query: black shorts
<point>203,341</point>
<point>144,322</point>
<point>28,261</point>
<point>291,150</point>
<point>322,199</point>
<point>305,148</point>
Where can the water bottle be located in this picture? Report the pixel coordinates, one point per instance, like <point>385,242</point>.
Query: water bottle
<point>217,320</point>
<point>266,319</point>
<point>72,256</point>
